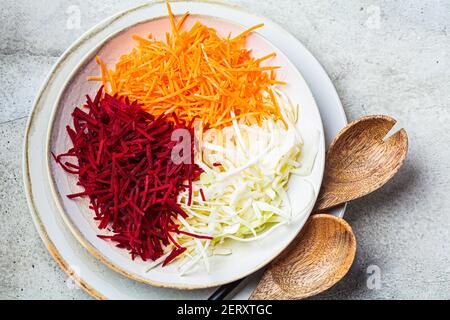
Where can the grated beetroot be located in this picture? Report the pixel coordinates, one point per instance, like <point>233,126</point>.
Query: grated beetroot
<point>126,170</point>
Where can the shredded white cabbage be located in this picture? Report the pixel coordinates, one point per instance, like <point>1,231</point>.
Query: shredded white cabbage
<point>247,169</point>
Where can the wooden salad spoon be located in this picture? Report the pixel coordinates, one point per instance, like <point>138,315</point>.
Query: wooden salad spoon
<point>319,257</point>
<point>359,161</point>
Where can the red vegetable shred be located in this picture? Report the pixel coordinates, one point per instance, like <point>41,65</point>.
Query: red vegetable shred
<point>125,168</point>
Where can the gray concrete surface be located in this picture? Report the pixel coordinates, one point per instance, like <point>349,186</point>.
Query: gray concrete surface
<point>388,57</point>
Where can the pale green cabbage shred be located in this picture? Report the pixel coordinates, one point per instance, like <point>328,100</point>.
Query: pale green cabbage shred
<point>246,196</point>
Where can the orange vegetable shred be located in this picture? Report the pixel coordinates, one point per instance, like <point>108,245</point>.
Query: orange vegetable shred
<point>195,74</point>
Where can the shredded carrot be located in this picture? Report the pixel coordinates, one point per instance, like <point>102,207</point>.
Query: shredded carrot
<point>195,74</point>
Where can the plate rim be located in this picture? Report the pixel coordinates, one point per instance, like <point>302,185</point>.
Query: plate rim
<point>82,39</point>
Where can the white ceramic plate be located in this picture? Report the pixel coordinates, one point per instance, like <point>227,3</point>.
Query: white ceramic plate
<point>247,257</point>
<point>38,185</point>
